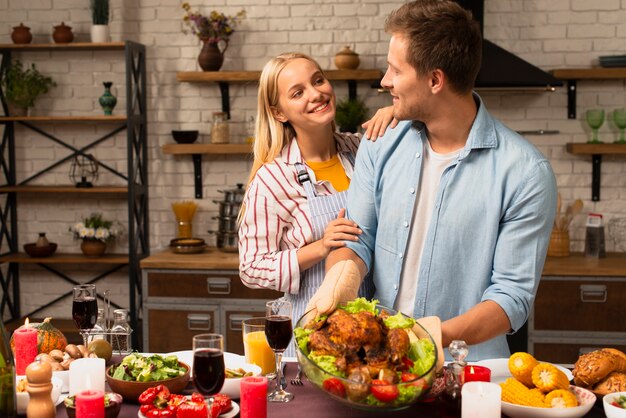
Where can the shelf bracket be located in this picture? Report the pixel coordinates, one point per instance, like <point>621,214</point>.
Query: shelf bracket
<point>225,91</point>
<point>571,99</point>
<point>352,89</point>
<point>197,174</point>
<point>596,164</point>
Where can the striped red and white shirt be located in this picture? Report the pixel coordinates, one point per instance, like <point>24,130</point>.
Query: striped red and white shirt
<point>276,220</point>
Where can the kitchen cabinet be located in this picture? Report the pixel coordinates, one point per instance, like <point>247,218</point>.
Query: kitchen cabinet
<point>189,294</point>
<point>135,180</point>
<point>578,307</point>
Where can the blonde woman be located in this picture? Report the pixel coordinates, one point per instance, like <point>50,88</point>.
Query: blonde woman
<point>292,215</point>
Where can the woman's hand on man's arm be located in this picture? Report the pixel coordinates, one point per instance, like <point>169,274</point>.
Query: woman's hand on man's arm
<point>377,125</point>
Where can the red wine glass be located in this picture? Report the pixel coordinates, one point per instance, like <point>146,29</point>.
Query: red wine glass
<point>209,371</point>
<point>85,308</point>
<point>278,330</point>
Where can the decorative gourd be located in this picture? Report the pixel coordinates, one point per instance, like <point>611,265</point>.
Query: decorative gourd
<point>48,337</point>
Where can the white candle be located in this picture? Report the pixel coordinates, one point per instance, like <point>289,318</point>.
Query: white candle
<point>480,400</point>
<point>86,374</point>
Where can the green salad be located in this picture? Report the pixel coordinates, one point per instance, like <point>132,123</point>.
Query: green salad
<point>139,368</point>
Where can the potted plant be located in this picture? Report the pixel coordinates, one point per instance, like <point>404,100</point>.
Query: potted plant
<point>100,21</point>
<point>350,114</point>
<point>21,87</point>
<point>95,232</point>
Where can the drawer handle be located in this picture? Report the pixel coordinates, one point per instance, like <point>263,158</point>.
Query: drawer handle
<point>235,322</point>
<point>199,322</point>
<point>218,285</point>
<point>593,293</point>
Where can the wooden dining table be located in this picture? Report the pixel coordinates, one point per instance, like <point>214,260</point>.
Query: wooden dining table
<point>311,402</point>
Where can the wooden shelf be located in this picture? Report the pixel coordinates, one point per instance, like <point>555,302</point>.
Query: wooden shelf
<point>253,76</point>
<point>211,149</point>
<point>94,118</point>
<point>113,190</point>
<point>576,264</point>
<point>590,149</point>
<point>73,46</point>
<point>60,258</point>
<point>594,73</point>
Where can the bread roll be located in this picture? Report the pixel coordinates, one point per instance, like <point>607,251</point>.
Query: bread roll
<point>595,366</point>
<point>614,382</point>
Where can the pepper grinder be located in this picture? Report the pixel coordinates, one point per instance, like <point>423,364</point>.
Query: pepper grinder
<point>40,405</point>
<point>454,373</point>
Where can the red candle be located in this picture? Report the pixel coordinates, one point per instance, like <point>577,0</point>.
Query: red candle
<point>25,347</point>
<point>253,397</point>
<point>476,374</point>
<point>90,404</point>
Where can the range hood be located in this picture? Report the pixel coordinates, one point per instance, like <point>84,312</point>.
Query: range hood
<point>500,69</point>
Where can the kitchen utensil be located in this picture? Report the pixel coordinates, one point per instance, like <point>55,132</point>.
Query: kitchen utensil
<point>187,245</point>
<point>297,381</point>
<point>234,195</point>
<point>34,251</point>
<point>227,241</point>
<point>226,223</point>
<point>228,209</point>
<point>185,137</point>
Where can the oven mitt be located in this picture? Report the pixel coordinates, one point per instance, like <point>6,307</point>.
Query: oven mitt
<point>432,324</point>
<point>340,285</point>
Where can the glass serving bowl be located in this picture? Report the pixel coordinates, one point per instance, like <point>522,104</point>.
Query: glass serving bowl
<point>410,391</point>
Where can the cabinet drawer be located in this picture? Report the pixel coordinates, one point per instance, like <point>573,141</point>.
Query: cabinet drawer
<point>172,329</point>
<point>566,353</point>
<point>233,328</point>
<point>203,285</point>
<point>580,305</point>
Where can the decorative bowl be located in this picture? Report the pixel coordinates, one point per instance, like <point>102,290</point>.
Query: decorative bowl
<point>613,411</point>
<point>23,397</point>
<point>112,410</point>
<point>586,400</point>
<point>411,391</point>
<point>130,391</point>
<point>185,137</point>
<point>34,251</point>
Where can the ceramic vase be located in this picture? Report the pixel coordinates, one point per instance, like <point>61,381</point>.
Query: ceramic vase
<point>107,100</point>
<point>347,59</point>
<point>93,247</point>
<point>62,34</point>
<point>21,34</point>
<point>100,34</point>
<point>17,110</point>
<point>211,57</point>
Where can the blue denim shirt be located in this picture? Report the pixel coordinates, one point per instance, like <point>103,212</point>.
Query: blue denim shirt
<point>490,227</point>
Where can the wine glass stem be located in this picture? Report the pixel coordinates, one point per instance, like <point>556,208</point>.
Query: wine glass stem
<point>85,335</point>
<point>279,371</point>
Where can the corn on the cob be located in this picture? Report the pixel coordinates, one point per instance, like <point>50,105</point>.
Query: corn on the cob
<point>546,377</point>
<point>561,398</point>
<point>521,366</point>
<point>514,391</point>
<point>540,394</point>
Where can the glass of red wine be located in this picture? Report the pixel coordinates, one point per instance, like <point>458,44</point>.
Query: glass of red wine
<point>85,309</point>
<point>209,371</point>
<point>278,332</point>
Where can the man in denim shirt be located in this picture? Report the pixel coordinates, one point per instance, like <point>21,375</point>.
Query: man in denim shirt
<point>456,209</point>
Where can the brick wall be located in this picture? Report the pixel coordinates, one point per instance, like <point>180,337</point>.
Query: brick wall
<point>548,33</point>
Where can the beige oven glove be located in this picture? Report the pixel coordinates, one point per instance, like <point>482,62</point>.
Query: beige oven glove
<point>340,285</point>
<point>432,324</point>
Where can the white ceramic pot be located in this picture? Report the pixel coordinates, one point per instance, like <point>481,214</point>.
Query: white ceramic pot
<point>100,34</point>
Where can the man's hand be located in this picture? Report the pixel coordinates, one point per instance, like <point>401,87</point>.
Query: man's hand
<point>341,284</point>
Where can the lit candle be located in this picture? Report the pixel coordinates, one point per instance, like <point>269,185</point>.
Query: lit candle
<point>480,400</point>
<point>473,373</point>
<point>90,404</point>
<point>87,373</point>
<point>25,347</point>
<point>253,397</point>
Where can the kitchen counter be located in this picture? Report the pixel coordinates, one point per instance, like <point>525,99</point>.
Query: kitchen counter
<point>210,258</point>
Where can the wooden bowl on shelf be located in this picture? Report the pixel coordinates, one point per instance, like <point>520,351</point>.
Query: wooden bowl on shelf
<point>185,137</point>
<point>38,252</point>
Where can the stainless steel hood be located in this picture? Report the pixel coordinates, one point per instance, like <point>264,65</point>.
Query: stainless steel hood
<point>502,70</point>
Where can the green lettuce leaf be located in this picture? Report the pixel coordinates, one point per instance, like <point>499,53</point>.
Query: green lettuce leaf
<point>302,338</point>
<point>422,352</point>
<point>326,363</point>
<point>399,321</point>
<point>359,305</point>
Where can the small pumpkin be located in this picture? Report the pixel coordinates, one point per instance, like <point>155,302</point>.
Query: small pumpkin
<point>48,337</point>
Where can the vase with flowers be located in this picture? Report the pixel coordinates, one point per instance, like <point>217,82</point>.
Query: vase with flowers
<point>95,232</point>
<point>214,31</point>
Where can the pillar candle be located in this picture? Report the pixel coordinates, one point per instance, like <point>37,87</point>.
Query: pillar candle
<point>253,397</point>
<point>90,404</point>
<point>473,373</point>
<point>25,348</point>
<point>87,373</point>
<point>481,400</point>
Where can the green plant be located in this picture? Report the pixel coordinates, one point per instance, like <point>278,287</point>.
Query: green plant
<point>100,12</point>
<point>22,87</point>
<point>350,114</point>
<point>96,228</point>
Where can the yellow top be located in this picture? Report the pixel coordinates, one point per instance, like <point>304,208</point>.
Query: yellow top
<point>331,171</point>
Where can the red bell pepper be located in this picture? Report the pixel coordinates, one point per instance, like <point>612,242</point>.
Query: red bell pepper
<point>161,413</point>
<point>221,404</point>
<point>150,395</point>
<point>191,409</point>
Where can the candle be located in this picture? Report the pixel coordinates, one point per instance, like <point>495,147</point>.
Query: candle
<point>473,373</point>
<point>90,404</point>
<point>87,373</point>
<point>25,347</point>
<point>480,400</point>
<point>253,397</point>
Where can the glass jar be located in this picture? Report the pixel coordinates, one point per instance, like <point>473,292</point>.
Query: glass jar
<point>98,330</point>
<point>220,130</point>
<point>120,332</point>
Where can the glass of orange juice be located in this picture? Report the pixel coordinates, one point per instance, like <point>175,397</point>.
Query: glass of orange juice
<point>255,346</point>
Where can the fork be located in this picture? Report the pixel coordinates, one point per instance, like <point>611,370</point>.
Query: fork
<point>296,381</point>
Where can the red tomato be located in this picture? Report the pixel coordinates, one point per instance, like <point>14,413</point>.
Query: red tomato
<point>334,386</point>
<point>383,391</point>
<point>407,363</point>
<point>407,377</point>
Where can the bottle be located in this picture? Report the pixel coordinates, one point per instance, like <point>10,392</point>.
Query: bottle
<point>98,330</point>
<point>120,332</point>
<point>220,131</point>
<point>42,241</point>
<point>8,405</point>
<point>250,128</point>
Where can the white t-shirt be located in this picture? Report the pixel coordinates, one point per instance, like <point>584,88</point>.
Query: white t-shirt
<point>433,165</point>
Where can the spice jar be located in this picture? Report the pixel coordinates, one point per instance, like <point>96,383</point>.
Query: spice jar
<point>120,332</point>
<point>219,130</point>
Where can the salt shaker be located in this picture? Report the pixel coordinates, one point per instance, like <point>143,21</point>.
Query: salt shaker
<point>454,375</point>
<point>40,405</point>
<point>120,332</point>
